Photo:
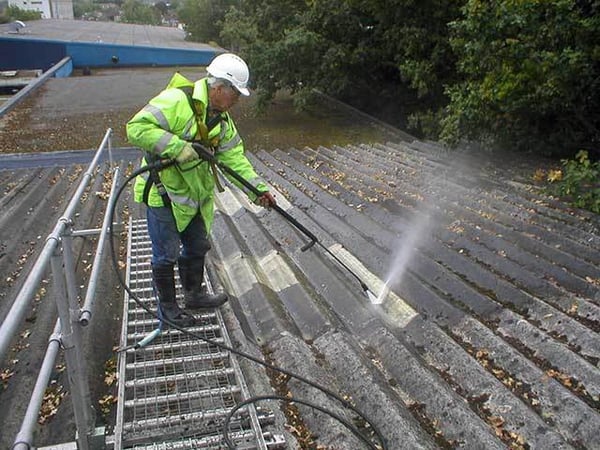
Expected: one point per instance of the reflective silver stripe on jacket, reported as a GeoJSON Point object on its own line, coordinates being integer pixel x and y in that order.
{"type": "Point", "coordinates": [184, 200]}
{"type": "Point", "coordinates": [224, 128]}
{"type": "Point", "coordinates": [159, 116]}
{"type": "Point", "coordinates": [162, 143]}
{"type": "Point", "coordinates": [234, 142]}
{"type": "Point", "coordinates": [174, 198]}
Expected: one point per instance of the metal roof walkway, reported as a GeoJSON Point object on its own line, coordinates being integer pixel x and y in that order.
{"type": "Point", "coordinates": [176, 390]}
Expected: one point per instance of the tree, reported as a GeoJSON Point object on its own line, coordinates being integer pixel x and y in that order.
{"type": "Point", "coordinates": [12, 13]}
{"type": "Point", "coordinates": [411, 57]}
{"type": "Point", "coordinates": [135, 11]}
{"type": "Point", "coordinates": [238, 30]}
{"type": "Point", "coordinates": [162, 7]}
{"type": "Point", "coordinates": [280, 50]}
{"type": "Point", "coordinates": [202, 19]}
{"type": "Point", "coordinates": [520, 73]}
{"type": "Point", "coordinates": [365, 52]}
{"type": "Point", "coordinates": [82, 8]}
{"type": "Point", "coordinates": [531, 75]}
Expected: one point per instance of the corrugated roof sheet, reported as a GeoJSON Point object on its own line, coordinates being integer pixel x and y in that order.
{"type": "Point", "coordinates": [489, 337]}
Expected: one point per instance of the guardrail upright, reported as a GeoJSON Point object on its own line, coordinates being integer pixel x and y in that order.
{"type": "Point", "coordinates": [63, 278]}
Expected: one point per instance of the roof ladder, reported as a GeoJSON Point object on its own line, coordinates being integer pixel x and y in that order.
{"type": "Point", "coordinates": [175, 392]}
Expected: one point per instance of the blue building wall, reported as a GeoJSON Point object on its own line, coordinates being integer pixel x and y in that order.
{"type": "Point", "coordinates": [24, 53]}
{"type": "Point", "coordinates": [98, 55]}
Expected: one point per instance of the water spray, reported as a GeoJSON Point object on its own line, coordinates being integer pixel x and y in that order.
{"type": "Point", "coordinates": [402, 256]}
{"type": "Point", "coordinates": [382, 295]}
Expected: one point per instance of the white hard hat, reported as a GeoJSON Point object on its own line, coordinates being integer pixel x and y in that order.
{"type": "Point", "coordinates": [232, 68]}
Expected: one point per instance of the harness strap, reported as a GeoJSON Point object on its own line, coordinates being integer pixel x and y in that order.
{"type": "Point", "coordinates": [154, 179]}
{"type": "Point", "coordinates": [204, 130]}
{"type": "Point", "coordinates": [213, 168]}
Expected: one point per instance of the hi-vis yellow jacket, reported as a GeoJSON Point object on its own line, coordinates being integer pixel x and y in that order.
{"type": "Point", "coordinates": [163, 127]}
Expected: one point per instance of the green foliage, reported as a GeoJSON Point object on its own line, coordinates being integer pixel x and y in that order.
{"type": "Point", "coordinates": [365, 52]}
{"type": "Point", "coordinates": [161, 7]}
{"type": "Point", "coordinates": [82, 8]}
{"type": "Point", "coordinates": [238, 30]}
{"type": "Point", "coordinates": [135, 11]}
{"type": "Point", "coordinates": [520, 74]}
{"type": "Point", "coordinates": [268, 34]}
{"type": "Point", "coordinates": [428, 121]}
{"type": "Point", "coordinates": [530, 71]}
{"type": "Point", "coordinates": [203, 19]}
{"type": "Point", "coordinates": [12, 13]}
{"type": "Point", "coordinates": [580, 182]}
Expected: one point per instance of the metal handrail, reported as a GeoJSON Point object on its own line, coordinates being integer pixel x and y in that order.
{"type": "Point", "coordinates": [20, 306]}
{"type": "Point", "coordinates": [23, 93]}
{"type": "Point", "coordinates": [90, 296]}
{"type": "Point", "coordinates": [67, 331]}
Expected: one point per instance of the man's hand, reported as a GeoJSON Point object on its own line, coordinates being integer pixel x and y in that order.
{"type": "Point", "coordinates": [266, 200]}
{"type": "Point", "coordinates": [186, 154]}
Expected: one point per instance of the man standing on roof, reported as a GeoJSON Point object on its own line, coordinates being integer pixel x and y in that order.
{"type": "Point", "coordinates": [179, 199]}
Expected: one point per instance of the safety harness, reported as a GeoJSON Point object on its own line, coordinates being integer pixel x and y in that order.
{"type": "Point", "coordinates": [204, 130]}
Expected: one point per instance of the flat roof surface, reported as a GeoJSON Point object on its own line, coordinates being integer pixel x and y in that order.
{"type": "Point", "coordinates": [103, 32]}
{"type": "Point", "coordinates": [73, 114]}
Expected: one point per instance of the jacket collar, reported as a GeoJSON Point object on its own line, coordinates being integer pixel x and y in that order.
{"type": "Point", "coordinates": [200, 93]}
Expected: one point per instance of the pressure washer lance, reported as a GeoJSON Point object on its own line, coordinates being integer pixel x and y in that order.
{"type": "Point", "coordinates": [206, 155]}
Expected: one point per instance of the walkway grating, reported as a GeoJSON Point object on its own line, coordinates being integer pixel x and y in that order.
{"type": "Point", "coordinates": [175, 392]}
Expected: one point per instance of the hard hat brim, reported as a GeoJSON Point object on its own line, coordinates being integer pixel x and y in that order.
{"type": "Point", "coordinates": [244, 91]}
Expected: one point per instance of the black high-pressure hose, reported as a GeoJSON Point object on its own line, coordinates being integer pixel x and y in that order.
{"type": "Point", "coordinates": [162, 165]}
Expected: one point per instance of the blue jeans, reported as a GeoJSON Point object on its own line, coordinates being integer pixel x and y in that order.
{"type": "Point", "coordinates": [166, 240]}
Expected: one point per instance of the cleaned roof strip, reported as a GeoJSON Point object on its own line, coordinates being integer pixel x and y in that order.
{"type": "Point", "coordinates": [396, 307]}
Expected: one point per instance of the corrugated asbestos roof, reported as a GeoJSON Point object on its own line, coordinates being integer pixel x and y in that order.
{"type": "Point", "coordinates": [488, 338]}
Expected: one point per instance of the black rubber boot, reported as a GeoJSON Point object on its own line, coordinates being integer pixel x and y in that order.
{"type": "Point", "coordinates": [191, 273]}
{"type": "Point", "coordinates": [164, 283]}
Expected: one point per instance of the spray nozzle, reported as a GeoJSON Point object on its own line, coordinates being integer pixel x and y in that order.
{"type": "Point", "coordinates": [372, 297]}
{"type": "Point", "coordinates": [376, 299]}
{"type": "Point", "coordinates": [308, 245]}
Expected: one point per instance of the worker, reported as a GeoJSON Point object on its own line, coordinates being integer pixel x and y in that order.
{"type": "Point", "coordinates": [180, 198]}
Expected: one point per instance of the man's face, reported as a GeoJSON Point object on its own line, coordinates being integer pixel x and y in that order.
{"type": "Point", "coordinates": [224, 97]}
